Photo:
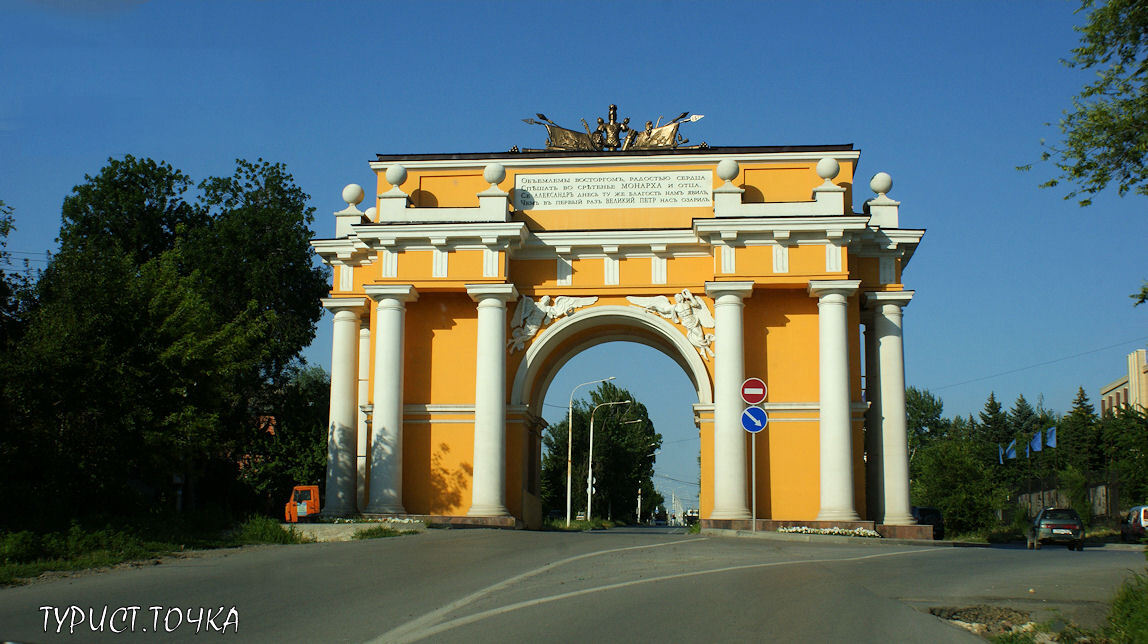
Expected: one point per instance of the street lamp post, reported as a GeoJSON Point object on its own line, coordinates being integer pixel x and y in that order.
{"type": "Point", "coordinates": [570, 442]}
{"type": "Point", "coordinates": [590, 463]}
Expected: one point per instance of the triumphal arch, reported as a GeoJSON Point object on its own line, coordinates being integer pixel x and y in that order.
{"type": "Point", "coordinates": [472, 278]}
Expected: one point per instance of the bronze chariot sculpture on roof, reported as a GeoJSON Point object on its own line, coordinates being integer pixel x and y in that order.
{"type": "Point", "coordinates": [609, 133]}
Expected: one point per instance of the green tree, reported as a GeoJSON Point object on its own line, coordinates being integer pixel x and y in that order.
{"type": "Point", "coordinates": [290, 446]}
{"type": "Point", "coordinates": [624, 446]}
{"type": "Point", "coordinates": [1078, 439]}
{"type": "Point", "coordinates": [1105, 134]}
{"type": "Point", "coordinates": [1125, 434]}
{"type": "Point", "coordinates": [955, 475]}
{"type": "Point", "coordinates": [1106, 131]}
{"type": "Point", "coordinates": [160, 330]}
{"type": "Point", "coordinates": [925, 422]}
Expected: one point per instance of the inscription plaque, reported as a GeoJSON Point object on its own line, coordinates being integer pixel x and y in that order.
{"type": "Point", "coordinates": [590, 190]}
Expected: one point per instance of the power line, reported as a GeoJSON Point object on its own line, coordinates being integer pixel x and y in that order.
{"type": "Point", "coordinates": [1041, 364]}
{"type": "Point", "coordinates": [670, 478]}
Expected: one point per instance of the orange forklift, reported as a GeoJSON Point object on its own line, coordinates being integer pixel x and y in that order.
{"type": "Point", "coordinates": [304, 503]}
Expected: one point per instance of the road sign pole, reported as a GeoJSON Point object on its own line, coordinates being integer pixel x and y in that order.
{"type": "Point", "coordinates": [753, 478]}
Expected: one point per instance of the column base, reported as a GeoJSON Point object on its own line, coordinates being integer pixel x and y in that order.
{"type": "Point", "coordinates": [382, 508]}
{"type": "Point", "coordinates": [838, 515]}
{"type": "Point", "coordinates": [729, 513]}
{"type": "Point", "coordinates": [487, 511]}
{"type": "Point", "coordinates": [899, 519]}
{"type": "Point", "coordinates": [338, 511]}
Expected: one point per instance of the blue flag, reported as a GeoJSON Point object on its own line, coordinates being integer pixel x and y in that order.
{"type": "Point", "coordinates": [1010, 451]}
{"type": "Point", "coordinates": [1050, 437]}
{"type": "Point", "coordinates": [1000, 454]}
{"type": "Point", "coordinates": [1036, 444]}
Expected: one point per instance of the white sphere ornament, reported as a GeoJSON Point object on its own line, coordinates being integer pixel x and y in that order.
{"type": "Point", "coordinates": [494, 173]}
{"type": "Point", "coordinates": [370, 213]}
{"type": "Point", "coordinates": [396, 175]}
{"type": "Point", "coordinates": [727, 169]}
{"type": "Point", "coordinates": [353, 194]}
{"type": "Point", "coordinates": [828, 168]}
{"type": "Point", "coordinates": [881, 183]}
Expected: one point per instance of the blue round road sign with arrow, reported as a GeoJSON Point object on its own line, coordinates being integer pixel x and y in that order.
{"type": "Point", "coordinates": [754, 419]}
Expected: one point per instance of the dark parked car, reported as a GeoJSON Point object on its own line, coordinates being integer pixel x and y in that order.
{"type": "Point", "coordinates": [1057, 525]}
{"type": "Point", "coordinates": [933, 517]}
{"type": "Point", "coordinates": [1135, 525]}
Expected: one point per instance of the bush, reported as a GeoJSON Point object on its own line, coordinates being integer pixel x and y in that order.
{"type": "Point", "coordinates": [20, 547]}
{"type": "Point", "coordinates": [261, 529]}
{"type": "Point", "coordinates": [1128, 618]}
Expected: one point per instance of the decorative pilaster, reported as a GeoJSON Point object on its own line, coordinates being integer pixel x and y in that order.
{"type": "Point", "coordinates": [730, 498]}
{"type": "Point", "coordinates": [488, 498]}
{"type": "Point", "coordinates": [886, 307]}
{"type": "Point", "coordinates": [836, 435]}
{"type": "Point", "coordinates": [341, 427]}
{"type": "Point", "coordinates": [386, 451]}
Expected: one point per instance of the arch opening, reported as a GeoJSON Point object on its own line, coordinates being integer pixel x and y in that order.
{"type": "Point", "coordinates": [642, 350]}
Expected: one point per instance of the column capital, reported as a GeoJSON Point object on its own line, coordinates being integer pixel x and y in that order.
{"type": "Point", "coordinates": [873, 299]}
{"type": "Point", "coordinates": [479, 292]}
{"type": "Point", "coordinates": [740, 289]}
{"type": "Point", "coordinates": [821, 288]}
{"type": "Point", "coordinates": [353, 304]}
{"type": "Point", "coordinates": [401, 292]}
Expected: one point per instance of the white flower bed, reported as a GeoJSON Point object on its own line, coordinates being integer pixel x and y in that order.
{"type": "Point", "coordinates": [855, 532]}
{"type": "Point", "coordinates": [374, 520]}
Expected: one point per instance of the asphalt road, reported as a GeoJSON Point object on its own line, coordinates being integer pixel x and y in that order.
{"type": "Point", "coordinates": [620, 585]}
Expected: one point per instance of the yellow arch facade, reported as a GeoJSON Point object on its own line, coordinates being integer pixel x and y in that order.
{"type": "Point", "coordinates": [471, 279]}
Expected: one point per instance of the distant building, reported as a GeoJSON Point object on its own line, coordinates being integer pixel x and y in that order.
{"type": "Point", "coordinates": [1131, 389]}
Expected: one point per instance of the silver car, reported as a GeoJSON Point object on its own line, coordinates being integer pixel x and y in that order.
{"type": "Point", "coordinates": [1057, 525]}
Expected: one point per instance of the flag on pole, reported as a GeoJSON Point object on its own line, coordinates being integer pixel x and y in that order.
{"type": "Point", "coordinates": [1036, 444]}
{"type": "Point", "coordinates": [1050, 437]}
{"type": "Point", "coordinates": [1010, 451]}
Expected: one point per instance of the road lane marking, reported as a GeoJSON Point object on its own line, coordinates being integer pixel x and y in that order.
{"type": "Point", "coordinates": [408, 635]}
{"type": "Point", "coordinates": [416, 629]}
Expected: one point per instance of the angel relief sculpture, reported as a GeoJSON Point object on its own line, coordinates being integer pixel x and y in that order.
{"type": "Point", "coordinates": [686, 310]}
{"type": "Point", "coordinates": [530, 316]}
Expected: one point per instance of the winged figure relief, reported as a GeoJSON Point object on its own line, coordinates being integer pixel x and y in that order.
{"type": "Point", "coordinates": [530, 316]}
{"type": "Point", "coordinates": [684, 309]}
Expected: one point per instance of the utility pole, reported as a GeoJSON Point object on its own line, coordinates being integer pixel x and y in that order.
{"type": "Point", "coordinates": [639, 504]}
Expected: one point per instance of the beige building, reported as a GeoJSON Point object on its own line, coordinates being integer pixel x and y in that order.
{"type": "Point", "coordinates": [1131, 389]}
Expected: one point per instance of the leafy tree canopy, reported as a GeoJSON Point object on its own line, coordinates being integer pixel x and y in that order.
{"type": "Point", "coordinates": [163, 330]}
{"type": "Point", "coordinates": [1106, 131]}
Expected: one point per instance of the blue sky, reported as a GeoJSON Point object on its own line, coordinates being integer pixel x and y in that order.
{"type": "Point", "coordinates": [947, 98]}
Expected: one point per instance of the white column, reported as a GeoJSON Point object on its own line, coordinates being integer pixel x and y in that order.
{"type": "Point", "coordinates": [894, 425]}
{"type": "Point", "coordinates": [874, 474]}
{"type": "Point", "coordinates": [730, 499]}
{"type": "Point", "coordinates": [488, 498]}
{"type": "Point", "coordinates": [364, 429]}
{"type": "Point", "coordinates": [836, 434]}
{"type": "Point", "coordinates": [340, 487]}
{"type": "Point", "coordinates": [386, 450]}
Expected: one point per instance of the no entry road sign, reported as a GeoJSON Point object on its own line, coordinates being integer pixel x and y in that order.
{"type": "Point", "coordinates": [754, 419]}
{"type": "Point", "coordinates": [753, 391]}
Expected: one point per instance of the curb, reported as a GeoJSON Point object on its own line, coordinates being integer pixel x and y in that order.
{"type": "Point", "coordinates": [794, 537]}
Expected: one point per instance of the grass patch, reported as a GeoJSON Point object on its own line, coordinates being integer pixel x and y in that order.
{"type": "Point", "coordinates": [381, 532]}
{"type": "Point", "coordinates": [578, 526]}
{"type": "Point", "coordinates": [1128, 617]}
{"type": "Point", "coordinates": [26, 554]}
{"type": "Point", "coordinates": [260, 529]}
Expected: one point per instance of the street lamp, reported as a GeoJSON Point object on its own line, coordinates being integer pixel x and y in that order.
{"type": "Point", "coordinates": [590, 463]}
{"type": "Point", "coordinates": [570, 441]}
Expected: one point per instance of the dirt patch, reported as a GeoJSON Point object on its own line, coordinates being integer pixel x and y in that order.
{"type": "Point", "coordinates": [986, 621]}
